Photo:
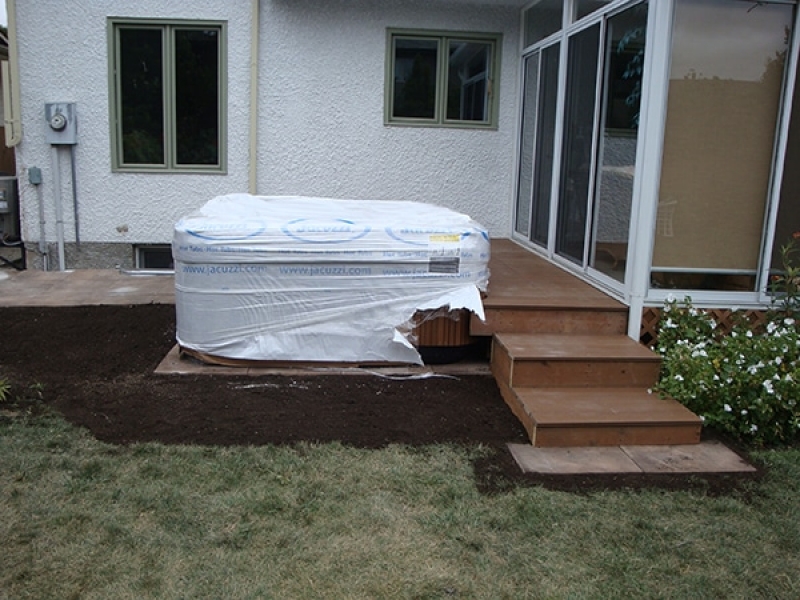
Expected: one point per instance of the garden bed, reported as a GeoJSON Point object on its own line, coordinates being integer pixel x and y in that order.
{"type": "Point", "coordinates": [94, 365]}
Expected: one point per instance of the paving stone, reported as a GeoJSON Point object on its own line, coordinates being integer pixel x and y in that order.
{"type": "Point", "coordinates": [570, 461]}
{"type": "Point", "coordinates": [706, 457]}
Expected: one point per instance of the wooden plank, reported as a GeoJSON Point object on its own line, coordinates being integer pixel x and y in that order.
{"type": "Point", "coordinates": [574, 360]}
{"type": "Point", "coordinates": [532, 319]}
{"type": "Point", "coordinates": [586, 373]}
{"type": "Point", "coordinates": [521, 277]}
{"type": "Point", "coordinates": [575, 347]}
{"type": "Point", "coordinates": [609, 407]}
{"type": "Point", "coordinates": [657, 435]}
{"type": "Point", "coordinates": [603, 417]}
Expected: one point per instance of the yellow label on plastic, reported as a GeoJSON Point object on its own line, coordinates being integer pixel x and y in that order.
{"type": "Point", "coordinates": [446, 237]}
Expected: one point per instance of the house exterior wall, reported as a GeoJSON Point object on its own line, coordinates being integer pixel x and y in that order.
{"type": "Point", "coordinates": [63, 56]}
{"type": "Point", "coordinates": [320, 118]}
{"type": "Point", "coordinates": [322, 107]}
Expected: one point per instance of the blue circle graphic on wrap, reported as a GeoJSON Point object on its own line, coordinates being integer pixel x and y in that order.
{"type": "Point", "coordinates": [337, 231]}
{"type": "Point", "coordinates": [229, 232]}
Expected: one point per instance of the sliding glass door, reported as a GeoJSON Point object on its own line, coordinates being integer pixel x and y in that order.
{"type": "Point", "coordinates": [578, 149]}
{"type": "Point", "coordinates": [537, 144]}
{"type": "Point", "coordinates": [578, 141]}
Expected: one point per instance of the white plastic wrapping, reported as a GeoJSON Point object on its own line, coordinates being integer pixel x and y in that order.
{"type": "Point", "coordinates": [318, 279]}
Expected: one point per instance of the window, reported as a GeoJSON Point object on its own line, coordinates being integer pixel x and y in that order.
{"type": "Point", "coordinates": [167, 100]}
{"type": "Point", "coordinates": [448, 79]}
{"type": "Point", "coordinates": [158, 257]}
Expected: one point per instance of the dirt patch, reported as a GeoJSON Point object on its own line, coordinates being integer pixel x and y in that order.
{"type": "Point", "coordinates": [94, 365]}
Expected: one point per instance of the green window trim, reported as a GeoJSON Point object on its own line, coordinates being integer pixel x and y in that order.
{"type": "Point", "coordinates": [438, 100]}
{"type": "Point", "coordinates": [172, 139]}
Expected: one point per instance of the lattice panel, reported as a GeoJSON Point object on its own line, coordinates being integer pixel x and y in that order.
{"type": "Point", "coordinates": [725, 318]}
{"type": "Point", "coordinates": [649, 331]}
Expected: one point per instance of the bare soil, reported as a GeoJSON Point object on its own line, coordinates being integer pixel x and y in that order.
{"type": "Point", "coordinates": [94, 365]}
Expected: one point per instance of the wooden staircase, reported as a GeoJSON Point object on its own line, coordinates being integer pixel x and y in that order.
{"type": "Point", "coordinates": [564, 365]}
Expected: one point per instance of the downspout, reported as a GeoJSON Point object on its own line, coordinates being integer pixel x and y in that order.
{"type": "Point", "coordinates": [253, 153]}
{"type": "Point", "coordinates": [10, 74]}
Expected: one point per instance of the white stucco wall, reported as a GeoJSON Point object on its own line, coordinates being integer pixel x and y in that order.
{"type": "Point", "coordinates": [322, 107]}
{"type": "Point", "coordinates": [63, 56]}
{"type": "Point", "coordinates": [321, 128]}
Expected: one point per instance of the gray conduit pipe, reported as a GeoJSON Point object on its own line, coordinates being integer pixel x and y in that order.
{"type": "Point", "coordinates": [42, 238]}
{"type": "Point", "coordinates": [75, 195]}
{"type": "Point", "coordinates": [59, 209]}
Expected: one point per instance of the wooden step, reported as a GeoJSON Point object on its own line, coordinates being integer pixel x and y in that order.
{"type": "Point", "coordinates": [539, 319]}
{"type": "Point", "coordinates": [564, 417]}
{"type": "Point", "coordinates": [553, 360]}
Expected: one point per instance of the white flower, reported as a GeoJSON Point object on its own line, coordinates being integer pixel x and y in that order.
{"type": "Point", "coordinates": [778, 360]}
{"type": "Point", "coordinates": [727, 408]}
{"type": "Point", "coordinates": [744, 412]}
{"type": "Point", "coordinates": [749, 333]}
{"type": "Point", "coordinates": [771, 327]}
{"type": "Point", "coordinates": [753, 368]}
{"type": "Point", "coordinates": [670, 298]}
{"type": "Point", "coordinates": [789, 322]}
{"type": "Point", "coordinates": [703, 419]}
{"type": "Point", "coordinates": [753, 428]}
{"type": "Point", "coordinates": [768, 386]}
{"type": "Point", "coordinates": [678, 377]}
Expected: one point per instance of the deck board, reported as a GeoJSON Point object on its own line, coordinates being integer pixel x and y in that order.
{"type": "Point", "coordinates": [519, 277]}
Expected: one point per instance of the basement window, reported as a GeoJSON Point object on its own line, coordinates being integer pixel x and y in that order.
{"type": "Point", "coordinates": [154, 257]}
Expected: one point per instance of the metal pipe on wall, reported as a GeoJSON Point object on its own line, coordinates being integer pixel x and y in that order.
{"type": "Point", "coordinates": [254, 33]}
{"type": "Point", "coordinates": [75, 195]}
{"type": "Point", "coordinates": [54, 163]}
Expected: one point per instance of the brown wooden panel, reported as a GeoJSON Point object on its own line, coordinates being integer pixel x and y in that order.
{"type": "Point", "coordinates": [532, 320]}
{"type": "Point", "coordinates": [517, 408]}
{"type": "Point", "coordinates": [602, 406]}
{"type": "Point", "coordinates": [584, 373]}
{"type": "Point", "coordinates": [657, 435]}
{"type": "Point", "coordinates": [436, 328]}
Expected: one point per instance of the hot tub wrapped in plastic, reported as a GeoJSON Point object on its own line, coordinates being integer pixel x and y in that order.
{"type": "Point", "coordinates": [261, 278]}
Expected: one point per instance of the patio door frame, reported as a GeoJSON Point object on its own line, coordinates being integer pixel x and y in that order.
{"type": "Point", "coordinates": [636, 291]}
{"type": "Point", "coordinates": [620, 289]}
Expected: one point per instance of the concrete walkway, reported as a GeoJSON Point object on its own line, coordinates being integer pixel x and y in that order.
{"type": "Point", "coordinates": [98, 287]}
{"type": "Point", "coordinates": [83, 287]}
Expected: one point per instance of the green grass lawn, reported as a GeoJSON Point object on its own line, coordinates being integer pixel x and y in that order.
{"type": "Point", "coordinates": [82, 519]}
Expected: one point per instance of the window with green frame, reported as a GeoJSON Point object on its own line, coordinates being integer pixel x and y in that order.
{"type": "Point", "coordinates": [167, 95]}
{"type": "Point", "coordinates": [442, 78]}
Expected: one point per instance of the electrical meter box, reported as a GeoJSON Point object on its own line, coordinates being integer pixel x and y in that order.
{"type": "Point", "coordinates": [61, 123]}
{"type": "Point", "coordinates": [9, 209]}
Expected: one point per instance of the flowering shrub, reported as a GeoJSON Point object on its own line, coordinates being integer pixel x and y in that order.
{"type": "Point", "coordinates": [785, 285]}
{"type": "Point", "coordinates": [744, 384]}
